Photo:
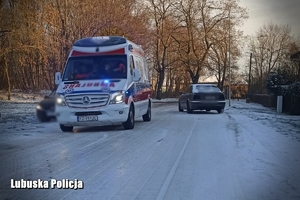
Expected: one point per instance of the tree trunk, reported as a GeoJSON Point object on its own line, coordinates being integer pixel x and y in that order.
{"type": "Point", "coordinates": [219, 79]}
{"type": "Point", "coordinates": [195, 79]}
{"type": "Point", "coordinates": [223, 77]}
{"type": "Point", "coordinates": [171, 87]}
{"type": "Point", "coordinates": [177, 86]}
{"type": "Point", "coordinates": [7, 78]}
{"type": "Point", "coordinates": [161, 77]}
{"type": "Point", "coordinates": [167, 82]}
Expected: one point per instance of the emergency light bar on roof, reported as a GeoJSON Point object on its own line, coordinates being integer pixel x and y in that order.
{"type": "Point", "coordinates": [100, 41]}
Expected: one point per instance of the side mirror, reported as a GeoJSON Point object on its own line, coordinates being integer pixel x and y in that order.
{"type": "Point", "coordinates": [136, 75]}
{"type": "Point", "coordinates": [57, 78]}
{"type": "Point", "coordinates": [180, 93]}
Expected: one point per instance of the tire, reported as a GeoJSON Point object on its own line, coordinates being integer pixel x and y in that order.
{"type": "Point", "coordinates": [42, 117]}
{"type": "Point", "coordinates": [220, 111]}
{"type": "Point", "coordinates": [188, 109]}
{"type": "Point", "coordinates": [129, 124]}
{"type": "Point", "coordinates": [179, 108]}
{"type": "Point", "coordinates": [66, 128]}
{"type": "Point", "coordinates": [147, 116]}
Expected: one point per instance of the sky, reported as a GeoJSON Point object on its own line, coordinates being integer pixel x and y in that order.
{"type": "Point", "coordinates": [262, 12]}
{"type": "Point", "coordinates": [279, 12]}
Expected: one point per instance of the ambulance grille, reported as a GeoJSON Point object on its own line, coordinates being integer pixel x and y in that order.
{"type": "Point", "coordinates": [87, 100]}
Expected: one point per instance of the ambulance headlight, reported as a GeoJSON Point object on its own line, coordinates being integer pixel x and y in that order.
{"type": "Point", "coordinates": [117, 97]}
{"type": "Point", "coordinates": [60, 101]}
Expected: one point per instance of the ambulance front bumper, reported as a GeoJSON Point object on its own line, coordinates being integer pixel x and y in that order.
{"type": "Point", "coordinates": [112, 114]}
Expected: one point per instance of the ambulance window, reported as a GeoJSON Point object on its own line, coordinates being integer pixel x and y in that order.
{"type": "Point", "coordinates": [140, 67]}
{"type": "Point", "coordinates": [131, 65]}
{"type": "Point", "coordinates": [147, 74]}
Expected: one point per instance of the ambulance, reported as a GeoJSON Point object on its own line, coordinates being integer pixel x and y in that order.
{"type": "Point", "coordinates": [105, 81]}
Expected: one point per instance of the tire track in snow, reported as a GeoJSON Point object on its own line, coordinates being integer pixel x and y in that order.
{"type": "Point", "coordinates": [111, 159]}
{"type": "Point", "coordinates": [168, 180]}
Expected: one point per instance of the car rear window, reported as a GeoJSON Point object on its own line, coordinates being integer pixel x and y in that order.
{"type": "Point", "coordinates": [206, 88]}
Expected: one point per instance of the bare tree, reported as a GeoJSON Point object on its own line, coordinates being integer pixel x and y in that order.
{"type": "Point", "coordinates": [269, 46]}
{"type": "Point", "coordinates": [203, 30]}
{"type": "Point", "coordinates": [36, 36]}
{"type": "Point", "coordinates": [163, 26]}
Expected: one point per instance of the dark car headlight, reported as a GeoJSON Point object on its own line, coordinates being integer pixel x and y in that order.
{"type": "Point", "coordinates": [39, 107]}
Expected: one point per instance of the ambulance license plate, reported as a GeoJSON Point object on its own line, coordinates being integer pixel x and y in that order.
{"type": "Point", "coordinates": [87, 118]}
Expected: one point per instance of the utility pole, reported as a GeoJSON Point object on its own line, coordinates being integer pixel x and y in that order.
{"type": "Point", "coordinates": [229, 62]}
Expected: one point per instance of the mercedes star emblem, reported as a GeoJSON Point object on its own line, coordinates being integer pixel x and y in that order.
{"type": "Point", "coordinates": [86, 100]}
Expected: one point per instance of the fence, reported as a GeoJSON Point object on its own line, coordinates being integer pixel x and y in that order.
{"type": "Point", "coordinates": [270, 101]}
{"type": "Point", "coordinates": [286, 103]}
{"type": "Point", "coordinates": [266, 100]}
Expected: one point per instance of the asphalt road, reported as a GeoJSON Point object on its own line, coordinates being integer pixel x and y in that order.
{"type": "Point", "coordinates": [203, 155]}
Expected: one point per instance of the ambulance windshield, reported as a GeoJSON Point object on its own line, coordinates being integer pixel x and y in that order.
{"type": "Point", "coordinates": [96, 67]}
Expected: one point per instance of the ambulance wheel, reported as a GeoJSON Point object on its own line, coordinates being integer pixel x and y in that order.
{"type": "Point", "coordinates": [66, 128]}
{"type": "Point", "coordinates": [129, 124]}
{"type": "Point", "coordinates": [147, 116]}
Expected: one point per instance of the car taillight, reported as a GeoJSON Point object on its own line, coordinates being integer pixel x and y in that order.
{"type": "Point", "coordinates": [222, 97]}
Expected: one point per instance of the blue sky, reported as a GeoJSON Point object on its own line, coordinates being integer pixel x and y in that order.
{"type": "Point", "coordinates": [279, 12]}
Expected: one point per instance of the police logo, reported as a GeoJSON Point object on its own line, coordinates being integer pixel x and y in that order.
{"type": "Point", "coordinates": [86, 100]}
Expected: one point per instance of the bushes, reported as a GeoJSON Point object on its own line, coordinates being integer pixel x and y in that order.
{"type": "Point", "coordinates": [276, 80]}
{"type": "Point", "coordinates": [293, 94]}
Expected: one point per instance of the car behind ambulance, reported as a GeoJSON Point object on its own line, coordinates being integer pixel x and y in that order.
{"type": "Point", "coordinates": [105, 82]}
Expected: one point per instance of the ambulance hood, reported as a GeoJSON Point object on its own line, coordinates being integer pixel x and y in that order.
{"type": "Point", "coordinates": [91, 86]}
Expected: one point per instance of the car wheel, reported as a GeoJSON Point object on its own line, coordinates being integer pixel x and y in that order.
{"type": "Point", "coordinates": [129, 124]}
{"type": "Point", "coordinates": [42, 117]}
{"type": "Point", "coordinates": [220, 110]}
{"type": "Point", "coordinates": [147, 116]}
{"type": "Point", "coordinates": [66, 128]}
{"type": "Point", "coordinates": [179, 108]}
{"type": "Point", "coordinates": [188, 109]}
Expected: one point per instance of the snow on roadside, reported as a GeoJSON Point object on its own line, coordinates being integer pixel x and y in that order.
{"type": "Point", "coordinates": [20, 111]}
{"type": "Point", "coordinates": [16, 116]}
{"type": "Point", "coordinates": [285, 124]}
{"type": "Point", "coordinates": [24, 97]}
{"type": "Point", "coordinates": [166, 100]}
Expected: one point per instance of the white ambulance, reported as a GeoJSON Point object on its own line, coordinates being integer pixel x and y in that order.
{"type": "Point", "coordinates": [105, 82]}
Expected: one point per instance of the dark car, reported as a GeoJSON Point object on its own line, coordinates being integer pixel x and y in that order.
{"type": "Point", "coordinates": [202, 97]}
{"type": "Point", "coordinates": [45, 109]}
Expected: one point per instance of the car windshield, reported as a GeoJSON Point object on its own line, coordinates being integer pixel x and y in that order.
{"type": "Point", "coordinates": [96, 67]}
{"type": "Point", "coordinates": [206, 88]}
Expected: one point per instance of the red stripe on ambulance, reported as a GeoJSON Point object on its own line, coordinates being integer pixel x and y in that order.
{"type": "Point", "coordinates": [114, 52]}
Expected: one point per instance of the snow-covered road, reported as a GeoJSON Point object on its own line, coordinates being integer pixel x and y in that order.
{"type": "Point", "coordinates": [247, 152]}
